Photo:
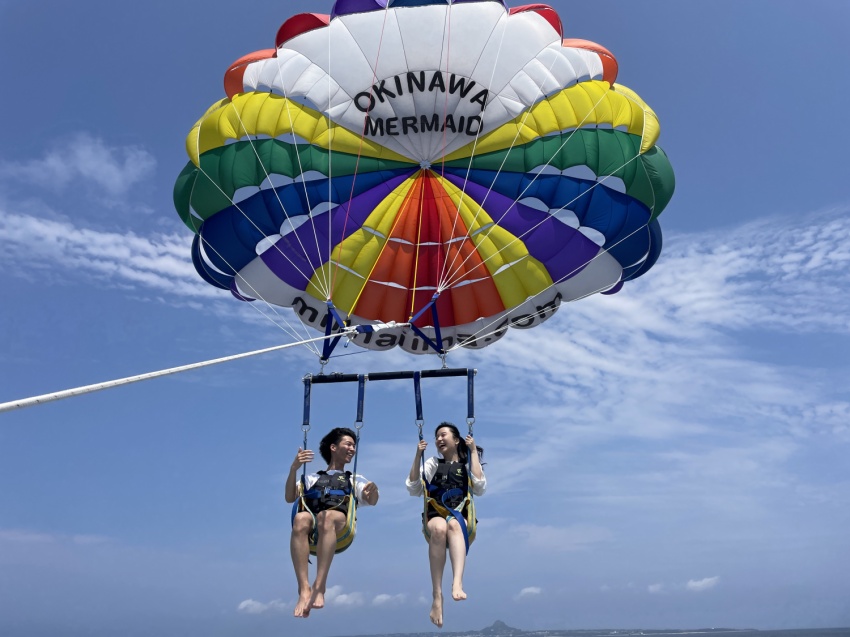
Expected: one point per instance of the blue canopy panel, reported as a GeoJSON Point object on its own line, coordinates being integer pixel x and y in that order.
{"type": "Point", "coordinates": [231, 235]}
{"type": "Point", "coordinates": [621, 219]}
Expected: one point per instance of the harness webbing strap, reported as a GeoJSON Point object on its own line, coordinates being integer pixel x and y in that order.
{"type": "Point", "coordinates": [431, 305]}
{"type": "Point", "coordinates": [358, 424]}
{"type": "Point", "coordinates": [417, 394]}
{"type": "Point", "coordinates": [331, 318]}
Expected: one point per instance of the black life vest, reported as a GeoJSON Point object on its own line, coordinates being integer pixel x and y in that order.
{"type": "Point", "coordinates": [450, 483]}
{"type": "Point", "coordinates": [329, 492]}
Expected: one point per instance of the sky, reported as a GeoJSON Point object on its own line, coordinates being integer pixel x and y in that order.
{"type": "Point", "coordinates": [670, 456]}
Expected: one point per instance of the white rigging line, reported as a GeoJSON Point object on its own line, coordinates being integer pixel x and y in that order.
{"type": "Point", "coordinates": [87, 389]}
{"type": "Point", "coordinates": [445, 268]}
{"type": "Point", "coordinates": [325, 287]}
{"type": "Point", "coordinates": [274, 189]}
{"type": "Point", "coordinates": [447, 282]}
{"type": "Point", "coordinates": [551, 214]}
{"type": "Point", "coordinates": [482, 334]}
{"type": "Point", "coordinates": [289, 329]}
{"type": "Point", "coordinates": [516, 199]}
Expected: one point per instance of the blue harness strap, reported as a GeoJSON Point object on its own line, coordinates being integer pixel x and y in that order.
{"type": "Point", "coordinates": [431, 490]}
{"type": "Point", "coordinates": [300, 504]}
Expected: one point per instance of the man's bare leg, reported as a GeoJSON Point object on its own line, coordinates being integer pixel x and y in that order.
{"type": "Point", "coordinates": [437, 560]}
{"type": "Point", "coordinates": [329, 524]}
{"type": "Point", "coordinates": [457, 555]}
{"type": "Point", "coordinates": [299, 549]}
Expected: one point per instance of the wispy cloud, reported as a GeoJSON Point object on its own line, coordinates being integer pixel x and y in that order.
{"type": "Point", "coordinates": [654, 589]}
{"type": "Point", "coordinates": [669, 363]}
{"type": "Point", "coordinates": [334, 596]}
{"type": "Point", "coordinates": [528, 591]}
{"type": "Point", "coordinates": [253, 607]}
{"type": "Point", "coordinates": [385, 599]}
{"type": "Point", "coordinates": [113, 169]}
{"type": "Point", "coordinates": [558, 538]}
{"type": "Point", "coordinates": [159, 262]}
{"type": "Point", "coordinates": [57, 249]}
{"type": "Point", "coordinates": [27, 537]}
{"type": "Point", "coordinates": [704, 584]}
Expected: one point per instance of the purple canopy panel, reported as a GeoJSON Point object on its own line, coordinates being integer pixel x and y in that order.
{"type": "Point", "coordinates": [563, 250]}
{"type": "Point", "coordinates": [297, 255]}
{"type": "Point", "coordinates": [344, 7]}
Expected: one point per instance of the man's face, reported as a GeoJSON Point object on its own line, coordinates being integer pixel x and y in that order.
{"type": "Point", "coordinates": [343, 451]}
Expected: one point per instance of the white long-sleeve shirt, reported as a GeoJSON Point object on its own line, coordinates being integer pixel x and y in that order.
{"type": "Point", "coordinates": [479, 485]}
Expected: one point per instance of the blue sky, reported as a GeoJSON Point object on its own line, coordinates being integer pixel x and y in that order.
{"type": "Point", "coordinates": [693, 428]}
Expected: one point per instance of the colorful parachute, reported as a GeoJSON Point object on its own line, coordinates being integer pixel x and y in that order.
{"type": "Point", "coordinates": [454, 165]}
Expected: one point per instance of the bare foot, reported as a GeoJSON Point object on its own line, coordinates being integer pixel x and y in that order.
{"type": "Point", "coordinates": [302, 608]}
{"type": "Point", "coordinates": [317, 600]}
{"type": "Point", "coordinates": [437, 610]}
{"type": "Point", "coordinates": [457, 592]}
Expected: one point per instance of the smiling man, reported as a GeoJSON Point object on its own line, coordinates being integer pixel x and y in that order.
{"type": "Point", "coordinates": [323, 512]}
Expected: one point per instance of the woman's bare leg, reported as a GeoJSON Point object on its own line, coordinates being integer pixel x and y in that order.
{"type": "Point", "coordinates": [457, 555]}
{"type": "Point", "coordinates": [437, 560]}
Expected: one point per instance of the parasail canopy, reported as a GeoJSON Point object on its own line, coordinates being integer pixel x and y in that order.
{"type": "Point", "coordinates": [458, 167]}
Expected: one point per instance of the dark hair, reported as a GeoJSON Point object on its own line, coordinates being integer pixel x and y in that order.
{"type": "Point", "coordinates": [462, 449]}
{"type": "Point", "coordinates": [332, 438]}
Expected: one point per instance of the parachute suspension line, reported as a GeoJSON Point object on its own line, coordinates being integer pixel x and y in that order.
{"type": "Point", "coordinates": [446, 267]}
{"type": "Point", "coordinates": [330, 163]}
{"type": "Point", "coordinates": [87, 389]}
{"type": "Point", "coordinates": [416, 253]}
{"type": "Point", "coordinates": [374, 264]}
{"type": "Point", "coordinates": [499, 171]}
{"type": "Point", "coordinates": [289, 329]}
{"type": "Point", "coordinates": [447, 38]}
{"type": "Point", "coordinates": [335, 267]}
{"type": "Point", "coordinates": [538, 224]}
{"type": "Point", "coordinates": [483, 333]}
{"type": "Point", "coordinates": [294, 332]}
{"type": "Point", "coordinates": [322, 277]}
{"type": "Point", "coordinates": [256, 227]}
{"type": "Point", "coordinates": [268, 177]}
{"type": "Point", "coordinates": [480, 206]}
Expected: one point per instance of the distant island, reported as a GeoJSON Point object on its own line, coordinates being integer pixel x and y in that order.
{"type": "Point", "coordinates": [501, 629]}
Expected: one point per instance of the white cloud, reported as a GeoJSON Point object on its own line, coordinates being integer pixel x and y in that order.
{"type": "Point", "coordinates": [528, 591]}
{"type": "Point", "coordinates": [90, 540]}
{"type": "Point", "coordinates": [670, 363]}
{"type": "Point", "coordinates": [556, 538]}
{"type": "Point", "coordinates": [253, 607]}
{"type": "Point", "coordinates": [655, 588]}
{"type": "Point", "coordinates": [113, 169]}
{"type": "Point", "coordinates": [703, 584]}
{"type": "Point", "coordinates": [38, 248]}
{"type": "Point", "coordinates": [23, 536]}
{"type": "Point", "coordinates": [26, 536]}
{"type": "Point", "coordinates": [336, 597]}
{"type": "Point", "coordinates": [389, 600]}
{"type": "Point", "coordinates": [158, 262]}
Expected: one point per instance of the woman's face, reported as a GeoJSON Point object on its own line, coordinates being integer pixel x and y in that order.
{"type": "Point", "coordinates": [446, 441]}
